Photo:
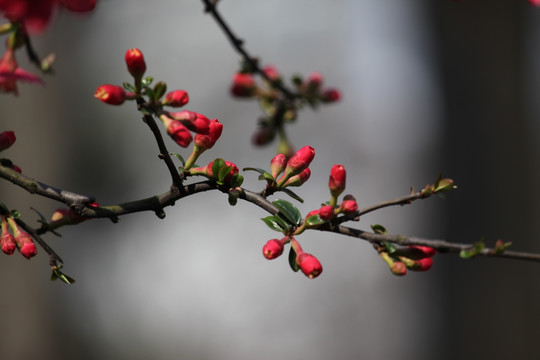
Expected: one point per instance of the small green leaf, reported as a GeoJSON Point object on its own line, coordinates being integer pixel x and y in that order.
{"type": "Point", "coordinates": [223, 172]}
{"type": "Point", "coordinates": [500, 247]}
{"type": "Point", "coordinates": [272, 224]}
{"type": "Point", "coordinates": [147, 81]}
{"type": "Point", "coordinates": [159, 90]}
{"type": "Point", "coordinates": [217, 165]}
{"type": "Point", "coordinates": [315, 220]}
{"type": "Point", "coordinates": [129, 87]}
{"type": "Point", "coordinates": [293, 195]}
{"type": "Point", "coordinates": [292, 260]}
{"type": "Point", "coordinates": [290, 212]}
{"type": "Point", "coordinates": [149, 92]}
{"type": "Point", "coordinates": [236, 180]}
{"type": "Point", "coordinates": [259, 170]}
{"type": "Point", "coordinates": [379, 229]}
{"type": "Point", "coordinates": [14, 214]}
{"type": "Point", "coordinates": [180, 158]}
{"type": "Point", "coordinates": [57, 274]}
{"type": "Point", "coordinates": [283, 222]}
{"type": "Point", "coordinates": [472, 252]}
{"type": "Point", "coordinates": [390, 248]}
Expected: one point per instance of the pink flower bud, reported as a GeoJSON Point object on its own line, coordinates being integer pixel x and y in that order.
{"type": "Point", "coordinates": [7, 241]}
{"type": "Point", "coordinates": [272, 249]}
{"type": "Point", "coordinates": [271, 72]}
{"type": "Point", "coordinates": [314, 80]}
{"type": "Point", "coordinates": [195, 122]}
{"type": "Point", "coordinates": [176, 98]}
{"type": "Point", "coordinates": [278, 164]}
{"type": "Point", "coordinates": [399, 268]}
{"type": "Point", "coordinates": [330, 95]}
{"type": "Point", "coordinates": [135, 63]}
{"type": "Point", "coordinates": [299, 179]}
{"type": "Point", "coordinates": [110, 94]}
{"type": "Point", "coordinates": [326, 212]}
{"type": "Point", "coordinates": [348, 205]}
{"type": "Point", "coordinates": [300, 161]}
{"type": "Point", "coordinates": [243, 85]}
{"type": "Point", "coordinates": [338, 176]}
{"type": "Point", "coordinates": [310, 266]}
{"type": "Point", "coordinates": [422, 251]}
{"type": "Point", "coordinates": [16, 168]}
{"type": "Point", "coordinates": [234, 170]}
{"type": "Point", "coordinates": [214, 132]}
{"type": "Point", "coordinates": [313, 212]}
{"type": "Point", "coordinates": [7, 138]}
{"type": "Point", "coordinates": [179, 133]}
{"type": "Point", "coordinates": [263, 135]}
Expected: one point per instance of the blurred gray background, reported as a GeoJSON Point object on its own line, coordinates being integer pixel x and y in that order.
{"type": "Point", "coordinates": [428, 87]}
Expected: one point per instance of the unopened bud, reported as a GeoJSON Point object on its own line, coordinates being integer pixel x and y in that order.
{"type": "Point", "coordinates": [399, 268]}
{"type": "Point", "coordinates": [195, 122]}
{"type": "Point", "coordinates": [135, 63]}
{"type": "Point", "coordinates": [348, 205]}
{"type": "Point", "coordinates": [326, 212]}
{"type": "Point", "coordinates": [176, 98]}
{"type": "Point", "coordinates": [7, 138]}
{"type": "Point", "coordinates": [243, 85]}
{"type": "Point", "coordinates": [272, 249]}
{"type": "Point", "coordinates": [110, 94]}
{"type": "Point", "coordinates": [278, 164]}
{"type": "Point", "coordinates": [338, 177]}
{"type": "Point", "coordinates": [178, 132]}
{"type": "Point", "coordinates": [299, 179]}
{"type": "Point", "coordinates": [300, 161]}
{"type": "Point", "coordinates": [208, 141]}
{"type": "Point", "coordinates": [309, 264]}
{"type": "Point", "coordinates": [263, 135]}
{"type": "Point", "coordinates": [330, 96]}
{"type": "Point", "coordinates": [271, 72]}
{"type": "Point", "coordinates": [7, 241]}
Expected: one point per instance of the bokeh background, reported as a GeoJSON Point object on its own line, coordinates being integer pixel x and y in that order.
{"type": "Point", "coordinates": [428, 87]}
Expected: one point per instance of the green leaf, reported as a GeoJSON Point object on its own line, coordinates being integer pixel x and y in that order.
{"type": "Point", "coordinates": [180, 158]}
{"type": "Point", "coordinates": [472, 252]}
{"type": "Point", "coordinates": [272, 224]}
{"type": "Point", "coordinates": [259, 170]}
{"type": "Point", "coordinates": [149, 92]}
{"type": "Point", "coordinates": [147, 81]}
{"type": "Point", "coordinates": [159, 90]}
{"type": "Point", "coordinates": [288, 210]}
{"type": "Point", "coordinates": [223, 172]}
{"type": "Point", "coordinates": [217, 165]}
{"type": "Point", "coordinates": [57, 274]}
{"type": "Point", "coordinates": [390, 248]}
{"type": "Point", "coordinates": [292, 260]}
{"type": "Point", "coordinates": [379, 229]}
{"type": "Point", "coordinates": [129, 87]}
{"type": "Point", "coordinates": [283, 222]}
{"type": "Point", "coordinates": [236, 180]}
{"type": "Point", "coordinates": [14, 214]}
{"type": "Point", "coordinates": [315, 220]}
{"type": "Point", "coordinates": [293, 195]}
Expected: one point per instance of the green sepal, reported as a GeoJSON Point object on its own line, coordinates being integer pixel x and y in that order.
{"type": "Point", "coordinates": [379, 229]}
{"type": "Point", "coordinates": [288, 210]}
{"type": "Point", "coordinates": [14, 214]}
{"type": "Point", "coordinates": [292, 260]}
{"type": "Point", "coordinates": [129, 87]}
{"type": "Point", "coordinates": [217, 165]}
{"type": "Point", "coordinates": [471, 253]}
{"type": "Point", "coordinates": [147, 81]}
{"type": "Point", "coordinates": [236, 180]}
{"type": "Point", "coordinates": [272, 224]}
{"type": "Point", "coordinates": [293, 195]}
{"type": "Point", "coordinates": [390, 248]}
{"type": "Point", "coordinates": [315, 220]}
{"type": "Point", "coordinates": [180, 158]}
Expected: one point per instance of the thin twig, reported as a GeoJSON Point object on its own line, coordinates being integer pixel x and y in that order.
{"type": "Point", "coordinates": [34, 233]}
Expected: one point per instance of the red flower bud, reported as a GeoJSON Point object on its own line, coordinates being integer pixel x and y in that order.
{"type": "Point", "coordinates": [422, 251]}
{"type": "Point", "coordinates": [195, 122]}
{"type": "Point", "coordinates": [214, 132]}
{"type": "Point", "coordinates": [110, 94]}
{"type": "Point", "coordinates": [348, 205]}
{"type": "Point", "coordinates": [7, 241]}
{"type": "Point", "coordinates": [7, 138]}
{"type": "Point", "coordinates": [330, 96]}
{"type": "Point", "coordinates": [314, 80]}
{"type": "Point", "coordinates": [178, 132]}
{"type": "Point", "coordinates": [326, 212]}
{"type": "Point", "coordinates": [338, 176]}
{"type": "Point", "coordinates": [16, 168]}
{"type": "Point", "coordinates": [309, 265]}
{"type": "Point", "coordinates": [135, 63]}
{"type": "Point", "coordinates": [234, 170]}
{"type": "Point", "coordinates": [300, 161]}
{"type": "Point", "coordinates": [421, 265]}
{"type": "Point", "coordinates": [271, 72]}
{"type": "Point", "coordinates": [176, 98]}
{"type": "Point", "coordinates": [278, 164]}
{"type": "Point", "coordinates": [299, 179]}
{"type": "Point", "coordinates": [243, 85]}
{"type": "Point", "coordinates": [263, 135]}
{"type": "Point", "coordinates": [313, 212]}
{"type": "Point", "coordinates": [272, 249]}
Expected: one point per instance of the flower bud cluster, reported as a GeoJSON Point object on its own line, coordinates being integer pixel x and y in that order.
{"type": "Point", "coordinates": [295, 170]}
{"type": "Point", "coordinates": [300, 260]}
{"type": "Point", "coordinates": [17, 238]}
{"type": "Point", "coordinates": [411, 257]}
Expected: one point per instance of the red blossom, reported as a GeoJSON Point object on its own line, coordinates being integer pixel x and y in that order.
{"type": "Point", "coordinates": [309, 264]}
{"type": "Point", "coordinates": [348, 205]}
{"type": "Point", "coordinates": [7, 138]}
{"type": "Point", "coordinates": [422, 264]}
{"type": "Point", "coordinates": [10, 73]}
{"type": "Point", "coordinates": [110, 94]}
{"type": "Point", "coordinates": [207, 141]}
